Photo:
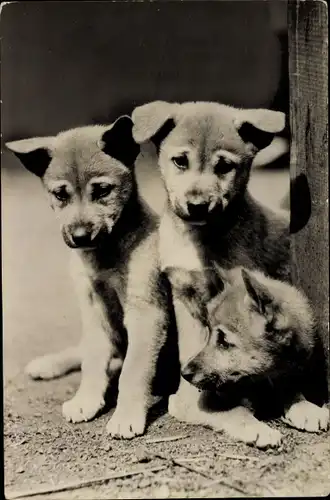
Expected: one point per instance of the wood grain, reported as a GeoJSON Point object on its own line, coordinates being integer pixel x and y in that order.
{"type": "Point", "coordinates": [308, 73]}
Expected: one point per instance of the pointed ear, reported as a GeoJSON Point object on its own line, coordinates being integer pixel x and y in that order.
{"type": "Point", "coordinates": [34, 153]}
{"type": "Point", "coordinates": [151, 118]}
{"type": "Point", "coordinates": [257, 291]}
{"type": "Point", "coordinates": [118, 141]}
{"type": "Point", "coordinates": [259, 126]}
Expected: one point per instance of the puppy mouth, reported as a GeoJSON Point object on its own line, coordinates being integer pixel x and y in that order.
{"type": "Point", "coordinates": [213, 383]}
{"type": "Point", "coordinates": [90, 241]}
{"type": "Point", "coordinates": [203, 382]}
{"type": "Point", "coordinates": [74, 246]}
{"type": "Point", "coordinates": [191, 220]}
{"type": "Point", "coordinates": [195, 222]}
{"type": "Point", "coordinates": [200, 219]}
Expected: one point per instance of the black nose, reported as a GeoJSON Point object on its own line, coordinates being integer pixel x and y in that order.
{"type": "Point", "coordinates": [189, 371]}
{"type": "Point", "coordinates": [81, 237]}
{"type": "Point", "coordinates": [198, 211]}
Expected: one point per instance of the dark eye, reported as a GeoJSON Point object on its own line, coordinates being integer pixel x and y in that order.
{"type": "Point", "coordinates": [221, 339]}
{"type": "Point", "coordinates": [61, 194]}
{"type": "Point", "coordinates": [101, 190]}
{"type": "Point", "coordinates": [224, 166]}
{"type": "Point", "coordinates": [181, 162]}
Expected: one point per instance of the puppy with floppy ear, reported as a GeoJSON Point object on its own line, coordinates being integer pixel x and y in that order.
{"type": "Point", "coordinates": [88, 173]}
{"type": "Point", "coordinates": [205, 153]}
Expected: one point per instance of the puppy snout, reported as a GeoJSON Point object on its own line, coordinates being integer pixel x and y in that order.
{"type": "Point", "coordinates": [198, 211]}
{"type": "Point", "coordinates": [191, 371]}
{"type": "Point", "coordinates": [82, 237]}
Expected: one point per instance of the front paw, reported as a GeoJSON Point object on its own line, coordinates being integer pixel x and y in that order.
{"type": "Point", "coordinates": [82, 407]}
{"type": "Point", "coordinates": [126, 423]}
{"type": "Point", "coordinates": [306, 416]}
{"type": "Point", "coordinates": [174, 407]}
{"type": "Point", "coordinates": [255, 433]}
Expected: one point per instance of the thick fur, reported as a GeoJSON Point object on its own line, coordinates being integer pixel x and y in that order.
{"type": "Point", "coordinates": [262, 350]}
{"type": "Point", "coordinates": [88, 173]}
{"type": "Point", "coordinates": [205, 156]}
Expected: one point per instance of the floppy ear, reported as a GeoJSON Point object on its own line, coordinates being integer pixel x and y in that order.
{"type": "Point", "coordinates": [34, 153]}
{"type": "Point", "coordinates": [150, 118]}
{"type": "Point", "coordinates": [118, 141]}
{"type": "Point", "coordinates": [257, 291]}
{"type": "Point", "coordinates": [259, 126]}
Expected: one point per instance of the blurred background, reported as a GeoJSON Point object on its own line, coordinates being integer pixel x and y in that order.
{"type": "Point", "coordinates": [66, 64]}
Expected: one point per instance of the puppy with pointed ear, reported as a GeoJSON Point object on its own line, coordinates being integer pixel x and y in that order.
{"type": "Point", "coordinates": [263, 346]}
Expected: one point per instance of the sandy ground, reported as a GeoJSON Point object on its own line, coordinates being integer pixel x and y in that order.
{"type": "Point", "coordinates": [42, 450]}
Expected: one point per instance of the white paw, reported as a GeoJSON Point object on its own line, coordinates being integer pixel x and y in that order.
{"type": "Point", "coordinates": [44, 367]}
{"type": "Point", "coordinates": [255, 433]}
{"type": "Point", "coordinates": [126, 423]}
{"type": "Point", "coordinates": [174, 407]}
{"type": "Point", "coordinates": [306, 416]}
{"type": "Point", "coordinates": [82, 407]}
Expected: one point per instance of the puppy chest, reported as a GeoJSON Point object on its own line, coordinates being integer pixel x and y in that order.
{"type": "Point", "coordinates": [177, 248]}
{"type": "Point", "coordinates": [109, 283]}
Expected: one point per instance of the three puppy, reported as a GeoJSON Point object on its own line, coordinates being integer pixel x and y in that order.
{"type": "Point", "coordinates": [205, 155]}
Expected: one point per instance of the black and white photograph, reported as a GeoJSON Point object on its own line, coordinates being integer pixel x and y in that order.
{"type": "Point", "coordinates": [165, 249]}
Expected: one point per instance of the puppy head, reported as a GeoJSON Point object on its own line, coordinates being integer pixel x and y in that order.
{"type": "Point", "coordinates": [205, 151]}
{"type": "Point", "coordinates": [259, 328]}
{"type": "Point", "coordinates": [88, 175]}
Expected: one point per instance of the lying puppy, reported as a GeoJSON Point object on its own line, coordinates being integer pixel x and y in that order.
{"type": "Point", "coordinates": [88, 173]}
{"type": "Point", "coordinates": [262, 350]}
{"type": "Point", "coordinates": [205, 154]}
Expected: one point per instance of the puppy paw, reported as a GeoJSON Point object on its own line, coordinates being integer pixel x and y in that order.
{"type": "Point", "coordinates": [44, 367]}
{"type": "Point", "coordinates": [306, 416]}
{"type": "Point", "coordinates": [82, 407]}
{"type": "Point", "coordinates": [256, 433]}
{"type": "Point", "coordinates": [126, 424]}
{"type": "Point", "coordinates": [176, 408]}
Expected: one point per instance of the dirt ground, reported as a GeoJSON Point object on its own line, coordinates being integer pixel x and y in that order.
{"type": "Point", "coordinates": [42, 450]}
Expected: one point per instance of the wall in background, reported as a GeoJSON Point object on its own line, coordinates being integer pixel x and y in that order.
{"type": "Point", "coordinates": [66, 64]}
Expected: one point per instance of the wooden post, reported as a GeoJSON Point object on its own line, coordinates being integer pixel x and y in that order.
{"type": "Point", "coordinates": [308, 72]}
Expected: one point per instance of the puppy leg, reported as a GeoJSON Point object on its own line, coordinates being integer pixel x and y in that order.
{"type": "Point", "coordinates": [97, 351]}
{"type": "Point", "coordinates": [54, 365]}
{"type": "Point", "coordinates": [192, 334]}
{"type": "Point", "coordinates": [188, 406]}
{"type": "Point", "coordinates": [146, 328]}
{"type": "Point", "coordinates": [306, 416]}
